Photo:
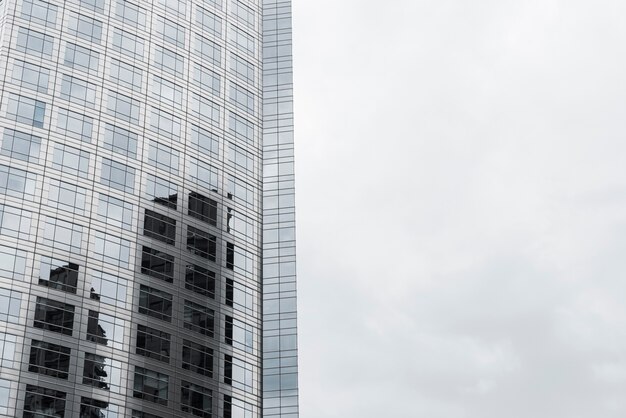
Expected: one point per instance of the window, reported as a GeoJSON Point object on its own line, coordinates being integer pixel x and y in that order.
{"type": "Point", "coordinates": [157, 264]}
{"type": "Point", "coordinates": [15, 222]}
{"type": "Point", "coordinates": [75, 125]}
{"type": "Point", "coordinates": [209, 22]}
{"type": "Point", "coordinates": [239, 191]}
{"type": "Point", "coordinates": [198, 318]}
{"type": "Point", "coordinates": [238, 373]}
{"type": "Point", "coordinates": [155, 303]}
{"type": "Point", "coordinates": [206, 79]}
{"type": "Point", "coordinates": [165, 123]}
{"type": "Point", "coordinates": [241, 40]}
{"type": "Point", "coordinates": [161, 191]}
{"type": "Point", "coordinates": [31, 76]}
{"type": "Point", "coordinates": [63, 235]}
{"type": "Point", "coordinates": [5, 385]}
{"type": "Point", "coordinates": [239, 334]}
{"type": "Point", "coordinates": [49, 359]}
{"type": "Point", "coordinates": [242, 159]}
{"type": "Point", "coordinates": [241, 128]}
{"type": "Point", "coordinates": [16, 182]}
{"type": "Point", "coordinates": [43, 402]}
{"type": "Point", "coordinates": [239, 259]}
{"type": "Point", "coordinates": [81, 58]}
{"type": "Point", "coordinates": [238, 224]}
{"type": "Point", "coordinates": [126, 75]}
{"type": "Point", "coordinates": [115, 212]}
{"type": "Point", "coordinates": [170, 31]}
{"type": "Point", "coordinates": [196, 400]}
{"type": "Point", "coordinates": [20, 145]}
{"type": "Point", "coordinates": [150, 386]}
{"type": "Point", "coordinates": [34, 43]}
{"type": "Point", "coordinates": [95, 5]}
{"type": "Point", "coordinates": [209, 51]}
{"type": "Point", "coordinates": [242, 69]}
{"type": "Point", "coordinates": [66, 196]}
{"type": "Point", "coordinates": [10, 304]}
{"type": "Point", "coordinates": [95, 408]}
{"type": "Point", "coordinates": [204, 108]}
{"type": "Point", "coordinates": [123, 107]}
{"type": "Point", "coordinates": [106, 330]}
{"type": "Point", "coordinates": [130, 13]}
{"type": "Point", "coordinates": [112, 249]}
{"type": "Point", "coordinates": [8, 351]}
{"type": "Point", "coordinates": [204, 140]}
{"type": "Point", "coordinates": [160, 227]}
{"type": "Point", "coordinates": [141, 414]}
{"type": "Point", "coordinates": [70, 160]}
{"type": "Point", "coordinates": [128, 44]}
{"type": "Point", "coordinates": [102, 372]}
{"type": "Point", "coordinates": [203, 208]}
{"type": "Point", "coordinates": [54, 316]}
{"type": "Point", "coordinates": [167, 92]}
{"type": "Point", "coordinates": [202, 174]}
{"type": "Point", "coordinates": [117, 176]}
{"type": "Point", "coordinates": [26, 110]}
{"type": "Point", "coordinates": [242, 98]}
{"type": "Point", "coordinates": [200, 280]}
{"type": "Point", "coordinates": [169, 61]}
{"type": "Point", "coordinates": [85, 27]}
{"type": "Point", "coordinates": [197, 358]}
{"type": "Point", "coordinates": [78, 91]}
{"type": "Point", "coordinates": [120, 140]}
{"type": "Point", "coordinates": [57, 274]}
{"type": "Point", "coordinates": [174, 6]}
{"type": "Point", "coordinates": [108, 288]}
{"type": "Point", "coordinates": [163, 157]}
{"type": "Point", "coordinates": [12, 263]}
{"type": "Point", "coordinates": [40, 12]}
{"type": "Point", "coordinates": [239, 296]}
{"type": "Point", "coordinates": [201, 243]}
{"type": "Point", "coordinates": [153, 343]}
{"type": "Point", "coordinates": [235, 408]}
{"type": "Point", "coordinates": [243, 13]}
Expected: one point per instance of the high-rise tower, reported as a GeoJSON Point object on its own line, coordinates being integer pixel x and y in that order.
{"type": "Point", "coordinates": [147, 231]}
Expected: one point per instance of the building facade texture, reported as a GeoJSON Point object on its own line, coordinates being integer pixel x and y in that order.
{"type": "Point", "coordinates": [147, 224]}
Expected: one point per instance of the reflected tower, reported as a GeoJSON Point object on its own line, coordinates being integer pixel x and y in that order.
{"type": "Point", "coordinates": [147, 223]}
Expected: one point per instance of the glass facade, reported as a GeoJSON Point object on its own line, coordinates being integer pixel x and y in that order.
{"type": "Point", "coordinates": [147, 223]}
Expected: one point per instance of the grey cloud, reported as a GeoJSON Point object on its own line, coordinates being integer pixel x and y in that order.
{"type": "Point", "coordinates": [462, 208]}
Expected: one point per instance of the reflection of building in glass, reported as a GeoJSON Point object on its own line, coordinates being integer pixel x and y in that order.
{"type": "Point", "coordinates": [147, 225]}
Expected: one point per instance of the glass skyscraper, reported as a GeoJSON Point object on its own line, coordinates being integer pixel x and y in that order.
{"type": "Point", "coordinates": [147, 223]}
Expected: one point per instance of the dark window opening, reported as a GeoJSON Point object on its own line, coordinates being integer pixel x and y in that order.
{"type": "Point", "coordinates": [153, 343]}
{"type": "Point", "coordinates": [203, 208]}
{"type": "Point", "coordinates": [160, 227]}
{"type": "Point", "coordinates": [157, 264]}
{"type": "Point", "coordinates": [197, 358]}
{"type": "Point", "coordinates": [49, 359]}
{"type": "Point", "coordinates": [54, 316]}
{"type": "Point", "coordinates": [155, 303]}
{"type": "Point", "coordinates": [201, 243]}
{"type": "Point", "coordinates": [200, 280]}
{"type": "Point", "coordinates": [198, 318]}
{"type": "Point", "coordinates": [43, 402]}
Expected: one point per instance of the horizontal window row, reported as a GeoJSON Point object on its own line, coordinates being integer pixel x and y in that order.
{"type": "Point", "coordinates": [148, 385]}
{"type": "Point", "coordinates": [104, 329]}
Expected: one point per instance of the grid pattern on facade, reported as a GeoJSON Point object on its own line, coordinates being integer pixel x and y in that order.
{"type": "Point", "coordinates": [280, 361]}
{"type": "Point", "coordinates": [130, 207]}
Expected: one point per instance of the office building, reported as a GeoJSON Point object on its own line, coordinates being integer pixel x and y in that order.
{"type": "Point", "coordinates": [147, 230]}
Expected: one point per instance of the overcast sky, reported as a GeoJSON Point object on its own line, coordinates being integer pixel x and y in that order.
{"type": "Point", "coordinates": [461, 192]}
